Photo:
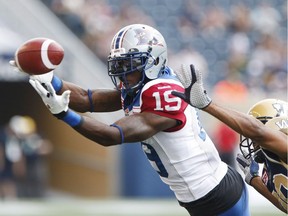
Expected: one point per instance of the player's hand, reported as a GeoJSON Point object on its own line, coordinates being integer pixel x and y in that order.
{"type": "Point", "coordinates": [55, 103]}
{"type": "Point", "coordinates": [194, 94]}
{"type": "Point", "coordinates": [249, 167]}
{"type": "Point", "coordinates": [43, 78]}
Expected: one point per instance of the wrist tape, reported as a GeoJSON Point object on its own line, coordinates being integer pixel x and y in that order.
{"type": "Point", "coordinates": [70, 117]}
{"type": "Point", "coordinates": [56, 83]}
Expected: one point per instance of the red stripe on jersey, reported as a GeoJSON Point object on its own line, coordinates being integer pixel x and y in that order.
{"type": "Point", "coordinates": [158, 99]}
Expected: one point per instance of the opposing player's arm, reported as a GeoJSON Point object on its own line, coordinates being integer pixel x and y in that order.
{"type": "Point", "coordinates": [135, 128]}
{"type": "Point", "coordinates": [252, 128]}
{"type": "Point", "coordinates": [262, 189]}
{"type": "Point", "coordinates": [100, 100]}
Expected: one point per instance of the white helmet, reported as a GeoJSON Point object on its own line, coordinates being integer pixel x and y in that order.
{"type": "Point", "coordinates": [136, 47]}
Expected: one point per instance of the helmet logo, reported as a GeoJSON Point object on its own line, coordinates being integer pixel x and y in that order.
{"type": "Point", "coordinates": [280, 108]}
{"type": "Point", "coordinates": [146, 38]}
{"type": "Point", "coordinates": [283, 123]}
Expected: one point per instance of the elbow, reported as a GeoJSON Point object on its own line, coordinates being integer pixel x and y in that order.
{"type": "Point", "coordinates": [106, 142]}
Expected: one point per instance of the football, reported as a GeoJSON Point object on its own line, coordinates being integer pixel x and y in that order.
{"type": "Point", "coordinates": [39, 56]}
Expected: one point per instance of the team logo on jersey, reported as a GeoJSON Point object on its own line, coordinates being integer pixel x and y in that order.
{"type": "Point", "coordinates": [146, 38]}
{"type": "Point", "coordinates": [265, 176]}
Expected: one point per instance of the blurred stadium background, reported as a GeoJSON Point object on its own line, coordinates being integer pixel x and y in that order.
{"type": "Point", "coordinates": [241, 47]}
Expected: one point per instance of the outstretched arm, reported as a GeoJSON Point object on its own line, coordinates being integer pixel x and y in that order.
{"type": "Point", "coordinates": [81, 100]}
{"type": "Point", "coordinates": [252, 128]}
{"type": "Point", "coordinates": [248, 126]}
{"type": "Point", "coordinates": [98, 100]}
{"type": "Point", "coordinates": [133, 128]}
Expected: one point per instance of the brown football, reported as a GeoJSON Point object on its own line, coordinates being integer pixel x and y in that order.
{"type": "Point", "coordinates": [39, 56]}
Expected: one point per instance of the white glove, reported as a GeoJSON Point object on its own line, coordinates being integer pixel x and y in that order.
{"type": "Point", "coordinates": [249, 167]}
{"type": "Point", "coordinates": [55, 103]}
{"type": "Point", "coordinates": [42, 78]}
{"type": "Point", "coordinates": [194, 94]}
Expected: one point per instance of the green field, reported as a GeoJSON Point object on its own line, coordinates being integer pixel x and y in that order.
{"type": "Point", "coordinates": [122, 207]}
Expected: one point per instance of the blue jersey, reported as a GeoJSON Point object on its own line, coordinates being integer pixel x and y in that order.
{"type": "Point", "coordinates": [275, 178]}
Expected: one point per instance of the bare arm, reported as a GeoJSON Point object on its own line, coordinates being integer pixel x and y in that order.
{"type": "Point", "coordinates": [137, 127]}
{"type": "Point", "coordinates": [104, 100]}
{"type": "Point", "coordinates": [252, 128]}
{"type": "Point", "coordinates": [196, 95]}
{"type": "Point", "coordinates": [257, 183]}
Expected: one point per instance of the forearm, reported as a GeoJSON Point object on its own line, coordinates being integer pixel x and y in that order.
{"type": "Point", "coordinates": [258, 185]}
{"type": "Point", "coordinates": [99, 132]}
{"type": "Point", "coordinates": [107, 135]}
{"type": "Point", "coordinates": [239, 122]}
{"type": "Point", "coordinates": [252, 128]}
{"type": "Point", "coordinates": [129, 129]}
{"type": "Point", "coordinates": [134, 128]}
{"type": "Point", "coordinates": [101, 100]}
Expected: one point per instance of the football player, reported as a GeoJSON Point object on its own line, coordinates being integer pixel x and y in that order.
{"type": "Point", "coordinates": [168, 128]}
{"type": "Point", "coordinates": [265, 132]}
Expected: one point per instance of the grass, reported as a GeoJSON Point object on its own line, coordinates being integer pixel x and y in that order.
{"type": "Point", "coordinates": [122, 207]}
{"type": "Point", "coordinates": [59, 204]}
